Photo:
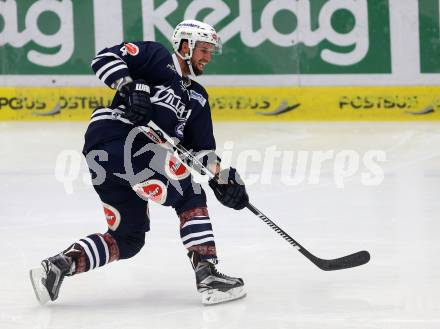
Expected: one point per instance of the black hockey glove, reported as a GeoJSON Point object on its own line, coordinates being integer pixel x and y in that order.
{"type": "Point", "coordinates": [137, 101]}
{"type": "Point", "coordinates": [229, 189]}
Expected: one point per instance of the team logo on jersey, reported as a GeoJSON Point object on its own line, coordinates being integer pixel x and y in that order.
{"type": "Point", "coordinates": [174, 168]}
{"type": "Point", "coordinates": [179, 129]}
{"type": "Point", "coordinates": [166, 97]}
{"type": "Point", "coordinates": [112, 216]}
{"type": "Point", "coordinates": [152, 189]}
{"type": "Point", "coordinates": [198, 97]}
{"type": "Point", "coordinates": [130, 48]}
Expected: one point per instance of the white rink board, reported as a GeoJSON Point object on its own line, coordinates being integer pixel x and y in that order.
{"type": "Point", "coordinates": [397, 221]}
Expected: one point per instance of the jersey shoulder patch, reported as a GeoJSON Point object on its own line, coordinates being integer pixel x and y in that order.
{"type": "Point", "coordinates": [198, 93]}
{"type": "Point", "coordinates": [129, 49]}
{"type": "Point", "coordinates": [198, 97]}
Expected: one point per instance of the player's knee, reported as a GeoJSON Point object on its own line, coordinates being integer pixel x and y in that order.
{"type": "Point", "coordinates": [129, 244]}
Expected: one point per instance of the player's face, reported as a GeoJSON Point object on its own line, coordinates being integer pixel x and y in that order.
{"type": "Point", "coordinates": [202, 55]}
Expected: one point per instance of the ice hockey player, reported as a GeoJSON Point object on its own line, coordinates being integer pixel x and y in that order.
{"type": "Point", "coordinates": [152, 84]}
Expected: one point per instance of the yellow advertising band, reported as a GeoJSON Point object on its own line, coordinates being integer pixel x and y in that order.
{"type": "Point", "coordinates": [241, 104]}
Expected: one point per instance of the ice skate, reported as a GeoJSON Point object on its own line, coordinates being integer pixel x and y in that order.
{"type": "Point", "coordinates": [214, 286]}
{"type": "Point", "coordinates": [47, 280]}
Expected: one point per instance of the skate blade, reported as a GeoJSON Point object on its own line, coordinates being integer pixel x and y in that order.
{"type": "Point", "coordinates": [36, 276]}
{"type": "Point", "coordinates": [211, 297]}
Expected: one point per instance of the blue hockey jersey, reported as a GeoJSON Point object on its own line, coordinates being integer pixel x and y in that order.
{"type": "Point", "coordinates": [180, 105]}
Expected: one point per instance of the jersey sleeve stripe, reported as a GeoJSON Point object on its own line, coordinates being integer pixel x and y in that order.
{"type": "Point", "coordinates": [122, 71]}
{"type": "Point", "coordinates": [104, 68]}
{"type": "Point", "coordinates": [104, 55]}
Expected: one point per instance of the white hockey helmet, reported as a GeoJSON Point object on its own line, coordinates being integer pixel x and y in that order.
{"type": "Point", "coordinates": [195, 31]}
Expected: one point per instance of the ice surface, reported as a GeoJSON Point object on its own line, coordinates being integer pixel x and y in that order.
{"type": "Point", "coordinates": [396, 220]}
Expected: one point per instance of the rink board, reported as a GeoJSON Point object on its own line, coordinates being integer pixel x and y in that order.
{"type": "Point", "coordinates": [241, 103]}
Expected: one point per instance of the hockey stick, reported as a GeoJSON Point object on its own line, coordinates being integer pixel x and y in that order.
{"type": "Point", "coordinates": [356, 259]}
{"type": "Point", "coordinates": [352, 260]}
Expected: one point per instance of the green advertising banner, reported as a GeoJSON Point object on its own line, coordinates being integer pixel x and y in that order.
{"type": "Point", "coordinates": [46, 37]}
{"type": "Point", "coordinates": [320, 36]}
{"type": "Point", "coordinates": [261, 37]}
{"type": "Point", "coordinates": [429, 36]}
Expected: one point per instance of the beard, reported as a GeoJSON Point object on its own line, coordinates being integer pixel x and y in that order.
{"type": "Point", "coordinates": [196, 70]}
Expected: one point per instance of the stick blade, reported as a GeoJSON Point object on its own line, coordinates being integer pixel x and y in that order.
{"type": "Point", "coordinates": [357, 259]}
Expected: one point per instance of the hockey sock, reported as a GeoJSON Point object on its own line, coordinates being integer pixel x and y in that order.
{"type": "Point", "coordinates": [92, 251]}
{"type": "Point", "coordinates": [196, 233]}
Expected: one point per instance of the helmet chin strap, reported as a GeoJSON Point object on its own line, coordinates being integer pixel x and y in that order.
{"type": "Point", "coordinates": [187, 60]}
{"type": "Point", "coordinates": [191, 70]}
